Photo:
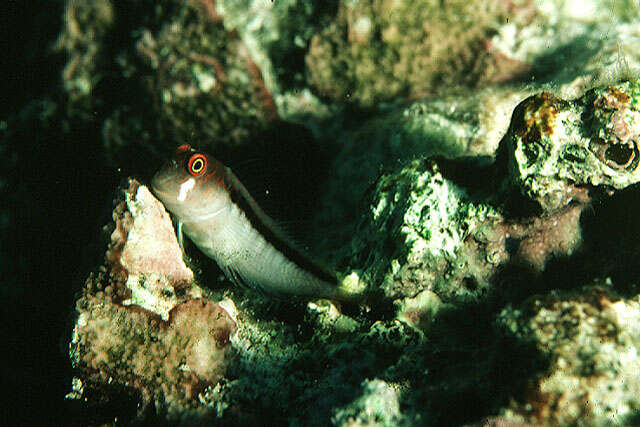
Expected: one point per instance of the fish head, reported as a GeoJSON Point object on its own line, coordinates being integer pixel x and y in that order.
{"type": "Point", "coordinates": [191, 184]}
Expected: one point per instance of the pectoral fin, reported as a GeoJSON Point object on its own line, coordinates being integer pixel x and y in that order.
{"type": "Point", "coordinates": [240, 280]}
{"type": "Point", "coordinates": [180, 235]}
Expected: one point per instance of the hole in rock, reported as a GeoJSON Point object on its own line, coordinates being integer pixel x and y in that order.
{"type": "Point", "coordinates": [619, 154]}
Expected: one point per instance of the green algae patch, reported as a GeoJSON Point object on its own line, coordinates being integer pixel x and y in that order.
{"type": "Point", "coordinates": [417, 225]}
{"type": "Point", "coordinates": [316, 364]}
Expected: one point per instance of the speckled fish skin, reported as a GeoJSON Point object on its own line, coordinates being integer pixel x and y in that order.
{"type": "Point", "coordinates": [219, 215]}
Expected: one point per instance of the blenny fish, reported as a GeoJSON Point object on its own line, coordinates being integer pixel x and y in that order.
{"type": "Point", "coordinates": [214, 209]}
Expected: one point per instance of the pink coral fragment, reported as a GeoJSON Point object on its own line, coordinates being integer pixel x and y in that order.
{"type": "Point", "coordinates": [142, 325]}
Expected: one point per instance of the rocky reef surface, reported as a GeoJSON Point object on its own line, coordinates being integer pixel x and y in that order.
{"type": "Point", "coordinates": [470, 171]}
{"type": "Point", "coordinates": [143, 327]}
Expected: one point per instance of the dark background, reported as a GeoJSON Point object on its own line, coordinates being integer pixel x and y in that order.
{"type": "Point", "coordinates": [55, 186]}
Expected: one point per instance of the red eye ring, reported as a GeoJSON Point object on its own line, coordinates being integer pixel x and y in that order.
{"type": "Point", "coordinates": [197, 164]}
{"type": "Point", "coordinates": [183, 148]}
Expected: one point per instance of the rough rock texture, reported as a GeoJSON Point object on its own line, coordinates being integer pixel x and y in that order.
{"type": "Point", "coordinates": [418, 223]}
{"type": "Point", "coordinates": [558, 146]}
{"type": "Point", "coordinates": [186, 77]}
{"type": "Point", "coordinates": [460, 125]}
{"type": "Point", "coordinates": [378, 405]}
{"type": "Point", "coordinates": [423, 231]}
{"type": "Point", "coordinates": [567, 50]}
{"type": "Point", "coordinates": [573, 46]}
{"type": "Point", "coordinates": [431, 241]}
{"type": "Point", "coordinates": [375, 51]}
{"type": "Point", "coordinates": [277, 35]}
{"type": "Point", "coordinates": [591, 339]}
{"type": "Point", "coordinates": [142, 326]}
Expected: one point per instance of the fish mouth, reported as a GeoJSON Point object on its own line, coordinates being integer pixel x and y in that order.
{"type": "Point", "coordinates": [159, 185]}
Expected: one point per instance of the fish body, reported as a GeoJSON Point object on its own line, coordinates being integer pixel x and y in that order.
{"type": "Point", "coordinates": [219, 215]}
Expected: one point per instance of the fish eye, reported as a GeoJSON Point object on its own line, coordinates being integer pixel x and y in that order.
{"type": "Point", "coordinates": [197, 164]}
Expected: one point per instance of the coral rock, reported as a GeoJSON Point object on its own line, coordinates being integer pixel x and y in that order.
{"type": "Point", "coordinates": [142, 326]}
{"type": "Point", "coordinates": [151, 244]}
{"type": "Point", "coordinates": [590, 337]}
{"type": "Point", "coordinates": [425, 232]}
{"type": "Point", "coordinates": [556, 147]}
{"type": "Point", "coordinates": [187, 77]}
{"type": "Point", "coordinates": [416, 231]}
{"type": "Point", "coordinates": [375, 51]}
